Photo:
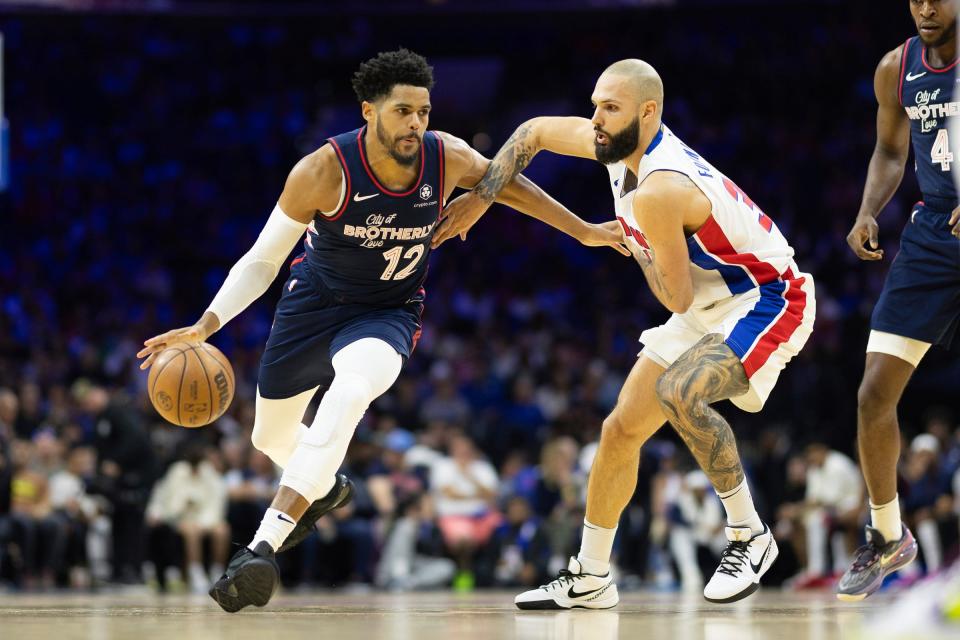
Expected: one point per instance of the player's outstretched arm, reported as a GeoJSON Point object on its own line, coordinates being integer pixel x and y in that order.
{"type": "Point", "coordinates": [467, 167]}
{"type": "Point", "coordinates": [661, 205]}
{"type": "Point", "coordinates": [889, 158]}
{"type": "Point", "coordinates": [564, 135]}
{"type": "Point", "coordinates": [309, 188]}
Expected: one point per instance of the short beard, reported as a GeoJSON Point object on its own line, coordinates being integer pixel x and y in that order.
{"type": "Point", "coordinates": [949, 32]}
{"type": "Point", "coordinates": [391, 147]}
{"type": "Point", "coordinates": [619, 145]}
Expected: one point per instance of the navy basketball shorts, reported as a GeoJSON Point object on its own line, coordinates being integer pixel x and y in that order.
{"type": "Point", "coordinates": [921, 296]}
{"type": "Point", "coordinates": [311, 325]}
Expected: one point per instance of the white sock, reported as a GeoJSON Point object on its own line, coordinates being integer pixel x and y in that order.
{"type": "Point", "coordinates": [885, 518]}
{"type": "Point", "coordinates": [274, 529]}
{"type": "Point", "coordinates": [738, 504]}
{"type": "Point", "coordinates": [595, 548]}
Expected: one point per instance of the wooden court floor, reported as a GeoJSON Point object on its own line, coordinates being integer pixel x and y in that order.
{"type": "Point", "coordinates": [428, 616]}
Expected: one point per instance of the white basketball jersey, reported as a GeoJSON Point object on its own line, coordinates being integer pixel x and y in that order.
{"type": "Point", "coordinates": [737, 249]}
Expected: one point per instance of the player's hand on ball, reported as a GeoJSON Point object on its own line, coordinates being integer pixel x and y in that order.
{"type": "Point", "coordinates": [865, 230]}
{"type": "Point", "coordinates": [955, 223]}
{"type": "Point", "coordinates": [458, 217]}
{"type": "Point", "coordinates": [192, 335]}
{"type": "Point", "coordinates": [606, 234]}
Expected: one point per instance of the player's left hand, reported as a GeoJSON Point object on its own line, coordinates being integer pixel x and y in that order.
{"type": "Point", "coordinates": [955, 222]}
{"type": "Point", "coordinates": [458, 217]}
{"type": "Point", "coordinates": [605, 234]}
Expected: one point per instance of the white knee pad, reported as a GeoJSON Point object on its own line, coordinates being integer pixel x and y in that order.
{"type": "Point", "coordinates": [363, 371]}
{"type": "Point", "coordinates": [278, 425]}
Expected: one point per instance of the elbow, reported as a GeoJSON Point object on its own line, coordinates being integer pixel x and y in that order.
{"type": "Point", "coordinates": [681, 304]}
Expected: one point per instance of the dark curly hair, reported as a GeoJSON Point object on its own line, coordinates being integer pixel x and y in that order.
{"type": "Point", "coordinates": [377, 76]}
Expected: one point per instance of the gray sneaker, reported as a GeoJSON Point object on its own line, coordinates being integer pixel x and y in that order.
{"type": "Point", "coordinates": [873, 562]}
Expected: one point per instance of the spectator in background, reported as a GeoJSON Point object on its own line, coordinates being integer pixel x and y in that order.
{"type": "Point", "coordinates": [696, 531]}
{"type": "Point", "coordinates": [395, 483]}
{"type": "Point", "coordinates": [30, 415]}
{"type": "Point", "coordinates": [556, 496]}
{"type": "Point", "coordinates": [35, 530]}
{"type": "Point", "coordinates": [191, 499]}
{"type": "Point", "coordinates": [445, 404]}
{"type": "Point", "coordinates": [464, 487]}
{"type": "Point", "coordinates": [927, 500]}
{"type": "Point", "coordinates": [834, 506]}
{"type": "Point", "coordinates": [9, 409]}
{"type": "Point", "coordinates": [665, 492]}
{"type": "Point", "coordinates": [6, 476]}
{"type": "Point", "coordinates": [73, 510]}
{"type": "Point", "coordinates": [788, 529]}
{"type": "Point", "coordinates": [522, 418]}
{"type": "Point", "coordinates": [518, 554]}
{"type": "Point", "coordinates": [427, 450]}
{"type": "Point", "coordinates": [126, 467]}
{"type": "Point", "coordinates": [251, 481]}
{"type": "Point", "coordinates": [411, 554]}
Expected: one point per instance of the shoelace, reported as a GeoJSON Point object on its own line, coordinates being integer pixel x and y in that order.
{"type": "Point", "coordinates": [733, 558]}
{"type": "Point", "coordinates": [564, 577]}
{"type": "Point", "coordinates": [865, 555]}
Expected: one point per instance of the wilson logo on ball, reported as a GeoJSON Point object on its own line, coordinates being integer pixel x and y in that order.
{"type": "Point", "coordinates": [223, 390]}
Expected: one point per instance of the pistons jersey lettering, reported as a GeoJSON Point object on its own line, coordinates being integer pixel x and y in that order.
{"type": "Point", "coordinates": [374, 249]}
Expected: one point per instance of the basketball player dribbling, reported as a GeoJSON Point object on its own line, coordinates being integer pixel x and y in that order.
{"type": "Point", "coordinates": [741, 310]}
{"type": "Point", "coordinates": [920, 302]}
{"type": "Point", "coordinates": [349, 314]}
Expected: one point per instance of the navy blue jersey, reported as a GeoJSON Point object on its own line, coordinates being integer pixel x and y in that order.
{"type": "Point", "coordinates": [926, 94]}
{"type": "Point", "coordinates": [374, 248]}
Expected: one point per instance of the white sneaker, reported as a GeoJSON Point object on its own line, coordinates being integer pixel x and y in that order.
{"type": "Point", "coordinates": [746, 558]}
{"type": "Point", "coordinates": [571, 590]}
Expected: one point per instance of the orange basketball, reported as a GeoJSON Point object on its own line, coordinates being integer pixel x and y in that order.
{"type": "Point", "coordinates": [191, 386]}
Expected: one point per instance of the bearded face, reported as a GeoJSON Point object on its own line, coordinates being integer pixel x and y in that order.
{"type": "Point", "coordinates": [614, 147]}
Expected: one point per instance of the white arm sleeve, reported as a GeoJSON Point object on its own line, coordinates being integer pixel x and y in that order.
{"type": "Point", "coordinates": [253, 273]}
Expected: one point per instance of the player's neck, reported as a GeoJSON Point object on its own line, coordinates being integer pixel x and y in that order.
{"type": "Point", "coordinates": [633, 160]}
{"type": "Point", "coordinates": [942, 55]}
{"type": "Point", "coordinates": [388, 172]}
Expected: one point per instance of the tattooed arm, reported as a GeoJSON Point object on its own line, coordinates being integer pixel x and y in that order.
{"type": "Point", "coordinates": [667, 205]}
{"type": "Point", "coordinates": [465, 167]}
{"type": "Point", "coordinates": [566, 136]}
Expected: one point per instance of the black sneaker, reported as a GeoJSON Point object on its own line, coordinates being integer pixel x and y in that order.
{"type": "Point", "coordinates": [341, 494]}
{"type": "Point", "coordinates": [252, 577]}
{"type": "Point", "coordinates": [873, 562]}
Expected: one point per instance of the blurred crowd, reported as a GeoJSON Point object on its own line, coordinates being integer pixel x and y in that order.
{"type": "Point", "coordinates": [128, 205]}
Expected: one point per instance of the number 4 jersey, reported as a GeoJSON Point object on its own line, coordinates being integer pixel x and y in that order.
{"type": "Point", "coordinates": [373, 248]}
{"type": "Point", "coordinates": [926, 94]}
{"type": "Point", "coordinates": [736, 250]}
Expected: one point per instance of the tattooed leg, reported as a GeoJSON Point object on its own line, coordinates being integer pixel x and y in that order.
{"type": "Point", "coordinates": [708, 372]}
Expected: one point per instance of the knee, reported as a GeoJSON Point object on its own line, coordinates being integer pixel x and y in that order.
{"type": "Point", "coordinates": [260, 438]}
{"type": "Point", "coordinates": [352, 390]}
{"type": "Point", "coordinates": [874, 399]}
{"type": "Point", "coordinates": [669, 390]}
{"type": "Point", "coordinates": [619, 431]}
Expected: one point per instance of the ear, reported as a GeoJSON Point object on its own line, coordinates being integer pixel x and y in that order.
{"type": "Point", "coordinates": [649, 109]}
{"type": "Point", "coordinates": [369, 111]}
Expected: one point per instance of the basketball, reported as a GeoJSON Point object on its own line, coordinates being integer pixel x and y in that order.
{"type": "Point", "coordinates": [191, 386]}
